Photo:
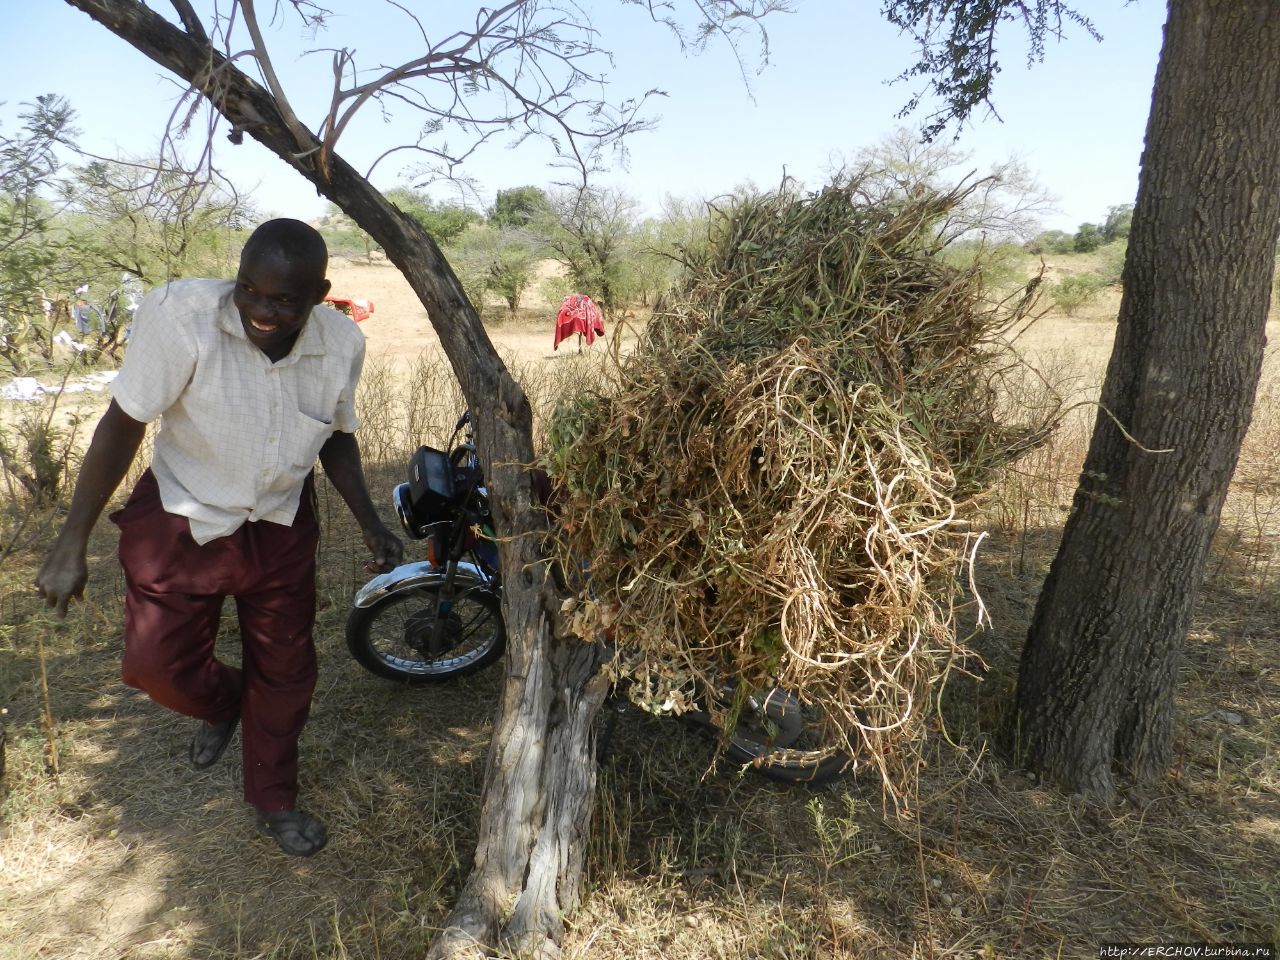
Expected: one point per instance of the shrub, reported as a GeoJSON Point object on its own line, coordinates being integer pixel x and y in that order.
{"type": "Point", "coordinates": [1087, 239]}
{"type": "Point", "coordinates": [444, 221]}
{"type": "Point", "coordinates": [1051, 241]}
{"type": "Point", "coordinates": [1073, 292]}
{"type": "Point", "coordinates": [494, 260]}
{"type": "Point", "coordinates": [1003, 266]}
{"type": "Point", "coordinates": [555, 288]}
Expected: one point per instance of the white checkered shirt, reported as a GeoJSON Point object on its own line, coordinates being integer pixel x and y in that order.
{"type": "Point", "coordinates": [238, 434]}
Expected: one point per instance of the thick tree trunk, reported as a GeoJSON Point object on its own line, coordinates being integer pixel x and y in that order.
{"type": "Point", "coordinates": [1096, 689]}
{"type": "Point", "coordinates": [540, 782]}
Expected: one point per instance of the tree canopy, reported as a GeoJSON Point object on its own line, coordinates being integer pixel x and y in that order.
{"type": "Point", "coordinates": [444, 221]}
{"type": "Point", "coordinates": [959, 55]}
{"type": "Point", "coordinates": [519, 207]}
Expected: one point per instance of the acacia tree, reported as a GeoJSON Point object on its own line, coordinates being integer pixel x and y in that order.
{"type": "Point", "coordinates": [588, 230]}
{"type": "Point", "coordinates": [519, 207]}
{"type": "Point", "coordinates": [1096, 686]}
{"type": "Point", "coordinates": [533, 57]}
{"type": "Point", "coordinates": [153, 220]}
{"type": "Point", "coordinates": [1004, 204]}
{"type": "Point", "coordinates": [30, 251]}
{"type": "Point", "coordinates": [137, 223]}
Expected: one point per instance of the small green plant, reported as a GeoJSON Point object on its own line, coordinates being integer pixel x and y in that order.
{"type": "Point", "coordinates": [37, 457]}
{"type": "Point", "coordinates": [839, 834]}
{"type": "Point", "coordinates": [1073, 292]}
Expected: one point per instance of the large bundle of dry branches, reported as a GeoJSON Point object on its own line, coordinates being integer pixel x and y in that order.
{"type": "Point", "coordinates": [777, 489]}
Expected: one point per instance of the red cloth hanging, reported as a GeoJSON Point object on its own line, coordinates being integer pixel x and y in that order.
{"type": "Point", "coordinates": [578, 314]}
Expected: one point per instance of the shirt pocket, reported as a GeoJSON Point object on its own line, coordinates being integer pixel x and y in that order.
{"type": "Point", "coordinates": [316, 389]}
{"type": "Point", "coordinates": [308, 435]}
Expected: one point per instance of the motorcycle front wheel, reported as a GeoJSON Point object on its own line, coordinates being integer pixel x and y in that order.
{"type": "Point", "coordinates": [780, 738]}
{"type": "Point", "coordinates": [418, 637]}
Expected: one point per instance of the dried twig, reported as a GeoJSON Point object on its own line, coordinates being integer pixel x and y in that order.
{"type": "Point", "coordinates": [50, 725]}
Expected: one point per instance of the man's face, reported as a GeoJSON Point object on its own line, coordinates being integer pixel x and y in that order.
{"type": "Point", "coordinates": [274, 297]}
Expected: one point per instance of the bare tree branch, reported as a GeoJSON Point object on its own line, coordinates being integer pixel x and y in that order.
{"type": "Point", "coordinates": [468, 62]}
{"type": "Point", "coordinates": [294, 125]}
{"type": "Point", "coordinates": [725, 19]}
{"type": "Point", "coordinates": [190, 22]}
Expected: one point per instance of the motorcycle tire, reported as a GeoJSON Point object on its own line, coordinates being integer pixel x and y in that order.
{"type": "Point", "coordinates": [397, 637]}
{"type": "Point", "coordinates": [775, 738]}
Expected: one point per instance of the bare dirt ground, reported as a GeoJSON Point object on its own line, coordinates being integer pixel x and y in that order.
{"type": "Point", "coordinates": [111, 848]}
{"type": "Point", "coordinates": [399, 331]}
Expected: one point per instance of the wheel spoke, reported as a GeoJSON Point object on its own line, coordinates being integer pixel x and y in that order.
{"type": "Point", "coordinates": [409, 637]}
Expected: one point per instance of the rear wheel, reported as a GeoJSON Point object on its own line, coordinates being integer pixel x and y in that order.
{"type": "Point", "coordinates": [781, 738]}
{"type": "Point", "coordinates": [419, 637]}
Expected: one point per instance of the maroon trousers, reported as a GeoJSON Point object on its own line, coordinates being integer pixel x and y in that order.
{"type": "Point", "coordinates": [173, 603]}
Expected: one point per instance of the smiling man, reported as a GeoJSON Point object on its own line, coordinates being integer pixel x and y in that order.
{"type": "Point", "coordinates": [252, 382]}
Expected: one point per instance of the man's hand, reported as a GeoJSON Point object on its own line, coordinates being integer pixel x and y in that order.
{"type": "Point", "coordinates": [62, 576]}
{"type": "Point", "coordinates": [386, 548]}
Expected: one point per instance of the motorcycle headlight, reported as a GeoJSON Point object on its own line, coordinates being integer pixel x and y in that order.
{"type": "Point", "coordinates": [404, 510]}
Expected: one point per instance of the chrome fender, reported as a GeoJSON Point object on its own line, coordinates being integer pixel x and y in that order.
{"type": "Point", "coordinates": [414, 576]}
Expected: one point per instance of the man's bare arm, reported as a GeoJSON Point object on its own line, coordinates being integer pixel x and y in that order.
{"type": "Point", "coordinates": [115, 443]}
{"type": "Point", "coordinates": [340, 457]}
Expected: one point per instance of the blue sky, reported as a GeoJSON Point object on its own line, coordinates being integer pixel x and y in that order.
{"type": "Point", "coordinates": [1076, 120]}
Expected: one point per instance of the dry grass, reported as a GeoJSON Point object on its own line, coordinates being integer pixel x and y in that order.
{"type": "Point", "coordinates": [777, 486]}
{"type": "Point", "coordinates": [128, 854]}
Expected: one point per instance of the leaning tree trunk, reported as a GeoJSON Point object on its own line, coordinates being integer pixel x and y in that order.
{"type": "Point", "coordinates": [540, 780]}
{"type": "Point", "coordinates": [1097, 682]}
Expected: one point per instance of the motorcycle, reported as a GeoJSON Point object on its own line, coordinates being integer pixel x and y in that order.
{"type": "Point", "coordinates": [433, 620]}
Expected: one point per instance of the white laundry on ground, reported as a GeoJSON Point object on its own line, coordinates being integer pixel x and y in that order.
{"type": "Point", "coordinates": [22, 388]}
{"type": "Point", "coordinates": [29, 388]}
{"type": "Point", "coordinates": [66, 340]}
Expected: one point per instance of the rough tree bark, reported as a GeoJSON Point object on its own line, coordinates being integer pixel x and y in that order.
{"type": "Point", "coordinates": [539, 787]}
{"type": "Point", "coordinates": [1096, 689]}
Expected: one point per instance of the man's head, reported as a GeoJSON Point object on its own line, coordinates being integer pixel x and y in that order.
{"type": "Point", "coordinates": [282, 268]}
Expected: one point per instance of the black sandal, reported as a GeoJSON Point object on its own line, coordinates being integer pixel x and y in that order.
{"type": "Point", "coordinates": [295, 832]}
{"type": "Point", "coordinates": [210, 742]}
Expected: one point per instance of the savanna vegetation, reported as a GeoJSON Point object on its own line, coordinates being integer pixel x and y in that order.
{"type": "Point", "coordinates": [690, 857]}
{"type": "Point", "coordinates": [111, 847]}
{"type": "Point", "coordinates": [599, 238]}
{"type": "Point", "coordinates": [1165, 828]}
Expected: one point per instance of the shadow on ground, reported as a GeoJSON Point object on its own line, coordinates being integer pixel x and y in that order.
{"type": "Point", "coordinates": [128, 853]}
